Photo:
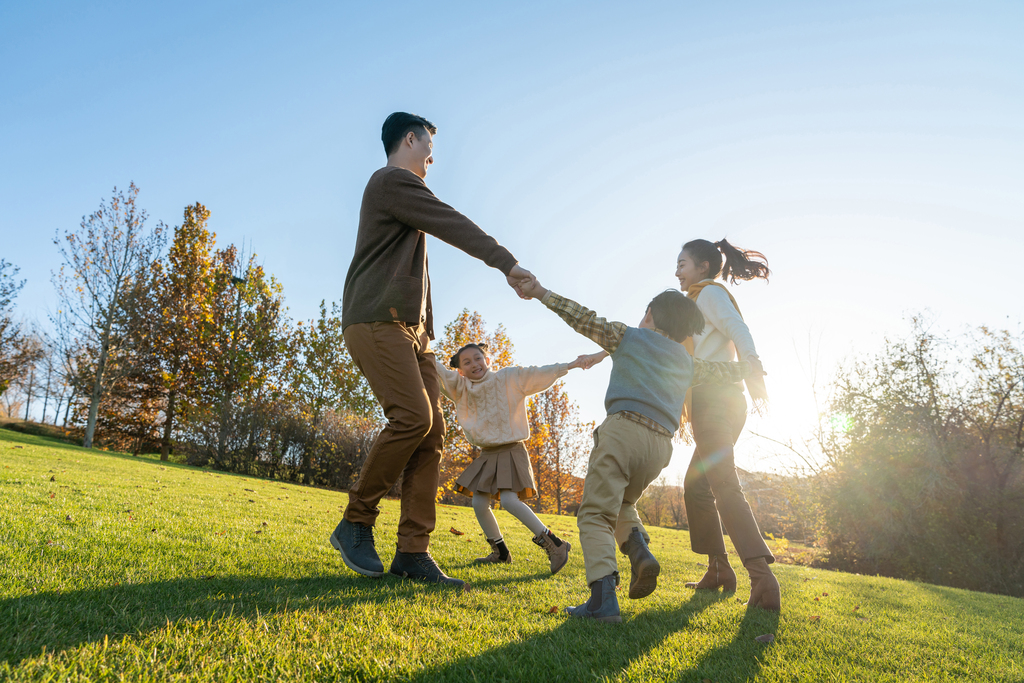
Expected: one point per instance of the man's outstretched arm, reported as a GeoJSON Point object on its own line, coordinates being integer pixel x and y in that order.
{"type": "Point", "coordinates": [410, 201]}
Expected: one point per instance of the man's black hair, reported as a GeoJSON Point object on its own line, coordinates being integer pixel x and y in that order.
{"type": "Point", "coordinates": [398, 125]}
{"type": "Point", "coordinates": [455, 359]}
{"type": "Point", "coordinates": [676, 314]}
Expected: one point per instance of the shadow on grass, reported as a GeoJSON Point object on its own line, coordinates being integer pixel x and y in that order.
{"type": "Point", "coordinates": [53, 622]}
{"type": "Point", "coordinates": [585, 650]}
{"type": "Point", "coordinates": [573, 650]}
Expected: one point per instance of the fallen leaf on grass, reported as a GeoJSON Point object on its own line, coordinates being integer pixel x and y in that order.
{"type": "Point", "coordinates": [249, 490]}
{"type": "Point", "coordinates": [554, 608]}
{"type": "Point", "coordinates": [766, 638]}
{"type": "Point", "coordinates": [456, 531]}
{"type": "Point", "coordinates": [824, 595]}
{"type": "Point", "coordinates": [67, 518]}
{"type": "Point", "coordinates": [153, 530]}
{"type": "Point", "coordinates": [53, 495]}
{"type": "Point", "coordinates": [856, 607]}
{"type": "Point", "coordinates": [814, 617]}
{"type": "Point", "coordinates": [53, 478]}
{"type": "Point", "coordinates": [264, 524]}
{"type": "Point", "coordinates": [259, 531]}
{"type": "Point", "coordinates": [806, 580]}
{"type": "Point", "coordinates": [863, 619]}
{"type": "Point", "coordinates": [817, 599]}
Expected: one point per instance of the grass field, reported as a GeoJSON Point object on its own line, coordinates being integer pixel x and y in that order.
{"type": "Point", "coordinates": [121, 568]}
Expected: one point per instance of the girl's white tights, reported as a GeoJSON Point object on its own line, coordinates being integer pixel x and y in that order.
{"type": "Point", "coordinates": [509, 501]}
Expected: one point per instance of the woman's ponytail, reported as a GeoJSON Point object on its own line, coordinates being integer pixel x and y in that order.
{"type": "Point", "coordinates": [742, 264]}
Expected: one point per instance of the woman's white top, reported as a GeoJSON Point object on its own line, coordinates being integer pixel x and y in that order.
{"type": "Point", "coordinates": [725, 334]}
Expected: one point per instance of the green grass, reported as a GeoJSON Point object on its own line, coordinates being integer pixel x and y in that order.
{"type": "Point", "coordinates": [127, 568]}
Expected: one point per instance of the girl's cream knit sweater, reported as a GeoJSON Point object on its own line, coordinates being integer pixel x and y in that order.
{"type": "Point", "coordinates": [492, 409]}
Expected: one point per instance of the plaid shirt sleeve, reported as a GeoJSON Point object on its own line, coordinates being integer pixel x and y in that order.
{"type": "Point", "coordinates": [608, 335]}
{"type": "Point", "coordinates": [711, 372]}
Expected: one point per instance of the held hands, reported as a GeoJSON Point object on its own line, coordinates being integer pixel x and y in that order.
{"type": "Point", "coordinates": [516, 277]}
{"type": "Point", "coordinates": [531, 288]}
{"type": "Point", "coordinates": [588, 361]}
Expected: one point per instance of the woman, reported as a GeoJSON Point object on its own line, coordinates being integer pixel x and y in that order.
{"type": "Point", "coordinates": [712, 492]}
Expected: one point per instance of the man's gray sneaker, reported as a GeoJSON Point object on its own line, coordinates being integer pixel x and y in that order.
{"type": "Point", "coordinates": [644, 567]}
{"type": "Point", "coordinates": [603, 605]}
{"type": "Point", "coordinates": [355, 543]}
{"type": "Point", "coordinates": [421, 566]}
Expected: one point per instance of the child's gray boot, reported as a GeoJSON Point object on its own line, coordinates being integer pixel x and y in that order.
{"type": "Point", "coordinates": [556, 548]}
{"type": "Point", "coordinates": [644, 567]}
{"type": "Point", "coordinates": [499, 553]}
{"type": "Point", "coordinates": [602, 605]}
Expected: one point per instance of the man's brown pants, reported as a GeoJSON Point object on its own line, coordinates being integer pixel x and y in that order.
{"type": "Point", "coordinates": [711, 489]}
{"type": "Point", "coordinates": [396, 360]}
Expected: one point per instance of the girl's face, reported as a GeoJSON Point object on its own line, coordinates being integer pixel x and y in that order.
{"type": "Point", "coordinates": [688, 271]}
{"type": "Point", "coordinates": [473, 364]}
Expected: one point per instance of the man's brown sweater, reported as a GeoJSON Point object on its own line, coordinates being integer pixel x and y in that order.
{"type": "Point", "coordinates": [388, 279]}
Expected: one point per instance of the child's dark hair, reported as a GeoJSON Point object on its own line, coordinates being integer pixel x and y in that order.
{"type": "Point", "coordinates": [398, 125]}
{"type": "Point", "coordinates": [676, 314]}
{"type": "Point", "coordinates": [454, 362]}
{"type": "Point", "coordinates": [740, 264]}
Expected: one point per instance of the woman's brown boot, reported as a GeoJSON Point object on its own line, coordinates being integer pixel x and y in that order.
{"type": "Point", "coordinates": [719, 573]}
{"type": "Point", "coordinates": [764, 587]}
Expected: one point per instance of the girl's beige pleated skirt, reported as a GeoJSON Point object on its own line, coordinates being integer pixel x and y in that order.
{"type": "Point", "coordinates": [501, 467]}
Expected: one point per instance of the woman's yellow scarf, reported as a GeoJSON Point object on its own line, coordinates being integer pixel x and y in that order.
{"type": "Point", "coordinates": [755, 385]}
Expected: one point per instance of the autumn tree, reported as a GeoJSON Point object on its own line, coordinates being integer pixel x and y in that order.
{"type": "Point", "coordinates": [10, 332]}
{"type": "Point", "coordinates": [323, 378]}
{"type": "Point", "coordinates": [559, 444]}
{"type": "Point", "coordinates": [246, 339]}
{"type": "Point", "coordinates": [184, 287]}
{"type": "Point", "coordinates": [466, 328]}
{"type": "Point", "coordinates": [107, 266]}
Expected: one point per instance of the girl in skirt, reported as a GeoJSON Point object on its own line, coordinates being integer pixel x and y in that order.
{"type": "Point", "coordinates": [491, 407]}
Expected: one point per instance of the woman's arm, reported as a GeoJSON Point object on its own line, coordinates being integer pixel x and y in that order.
{"type": "Point", "coordinates": [718, 309]}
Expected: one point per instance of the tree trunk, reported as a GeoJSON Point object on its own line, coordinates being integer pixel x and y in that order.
{"type": "Point", "coordinates": [97, 388]}
{"type": "Point", "coordinates": [67, 408]}
{"type": "Point", "coordinates": [165, 443]}
{"type": "Point", "coordinates": [28, 391]}
{"type": "Point", "coordinates": [222, 433]}
{"type": "Point", "coordinates": [46, 393]}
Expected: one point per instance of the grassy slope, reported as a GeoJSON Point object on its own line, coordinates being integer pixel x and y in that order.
{"type": "Point", "coordinates": [127, 567]}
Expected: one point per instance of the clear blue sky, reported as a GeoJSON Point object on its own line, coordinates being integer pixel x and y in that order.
{"type": "Point", "coordinates": [873, 150]}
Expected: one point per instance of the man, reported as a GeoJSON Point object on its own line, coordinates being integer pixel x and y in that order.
{"type": "Point", "coordinates": [388, 324]}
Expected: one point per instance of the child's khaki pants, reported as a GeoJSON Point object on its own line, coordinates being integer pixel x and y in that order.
{"type": "Point", "coordinates": [626, 458]}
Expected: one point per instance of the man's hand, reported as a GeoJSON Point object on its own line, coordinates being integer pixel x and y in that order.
{"type": "Point", "coordinates": [515, 278]}
{"type": "Point", "coordinates": [588, 361]}
{"type": "Point", "coordinates": [531, 288]}
{"type": "Point", "coordinates": [756, 369]}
